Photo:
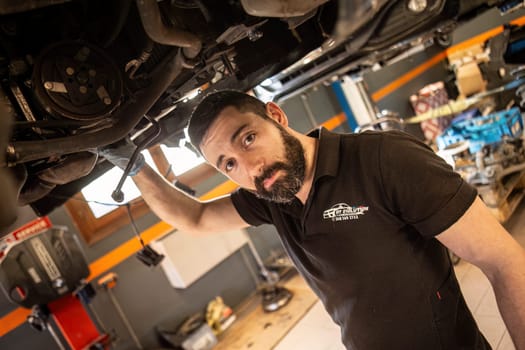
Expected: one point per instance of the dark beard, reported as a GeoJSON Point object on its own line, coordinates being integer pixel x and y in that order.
{"type": "Point", "coordinates": [286, 187]}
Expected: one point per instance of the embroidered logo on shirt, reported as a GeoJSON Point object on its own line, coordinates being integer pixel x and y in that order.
{"type": "Point", "coordinates": [342, 212]}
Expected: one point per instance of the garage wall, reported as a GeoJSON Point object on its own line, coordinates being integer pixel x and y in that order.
{"type": "Point", "coordinates": [398, 100]}
{"type": "Point", "coordinates": [322, 103]}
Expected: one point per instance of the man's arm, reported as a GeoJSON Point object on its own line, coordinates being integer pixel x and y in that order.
{"type": "Point", "coordinates": [183, 211]}
{"type": "Point", "coordinates": [479, 238]}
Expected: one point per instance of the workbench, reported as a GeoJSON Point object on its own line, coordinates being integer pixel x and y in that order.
{"type": "Point", "coordinates": [255, 329]}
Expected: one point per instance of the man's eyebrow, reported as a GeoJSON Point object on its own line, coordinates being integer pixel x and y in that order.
{"type": "Point", "coordinates": [219, 161]}
{"type": "Point", "coordinates": [235, 134]}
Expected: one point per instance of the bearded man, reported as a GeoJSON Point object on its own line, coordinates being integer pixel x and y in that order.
{"type": "Point", "coordinates": [366, 218]}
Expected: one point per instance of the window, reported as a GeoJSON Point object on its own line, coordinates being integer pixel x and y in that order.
{"type": "Point", "coordinates": [95, 221]}
{"type": "Point", "coordinates": [98, 192]}
{"type": "Point", "coordinates": [181, 159]}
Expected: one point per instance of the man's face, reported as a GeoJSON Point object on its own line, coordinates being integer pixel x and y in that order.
{"type": "Point", "coordinates": [258, 154]}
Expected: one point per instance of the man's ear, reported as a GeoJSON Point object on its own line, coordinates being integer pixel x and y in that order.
{"type": "Point", "coordinates": [276, 113]}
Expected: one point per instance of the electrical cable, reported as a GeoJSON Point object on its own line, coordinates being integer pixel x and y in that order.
{"type": "Point", "coordinates": [87, 201]}
{"type": "Point", "coordinates": [133, 224]}
{"type": "Point", "coordinates": [146, 255]}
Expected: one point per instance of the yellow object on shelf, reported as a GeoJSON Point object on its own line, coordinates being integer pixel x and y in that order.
{"type": "Point", "coordinates": [219, 316]}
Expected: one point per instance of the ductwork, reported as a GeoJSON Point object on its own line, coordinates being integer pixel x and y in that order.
{"type": "Point", "coordinates": [160, 33]}
{"type": "Point", "coordinates": [127, 116]}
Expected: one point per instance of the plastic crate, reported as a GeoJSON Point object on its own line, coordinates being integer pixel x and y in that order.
{"type": "Point", "coordinates": [483, 130]}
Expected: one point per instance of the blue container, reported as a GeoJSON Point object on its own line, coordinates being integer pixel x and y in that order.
{"type": "Point", "coordinates": [483, 130]}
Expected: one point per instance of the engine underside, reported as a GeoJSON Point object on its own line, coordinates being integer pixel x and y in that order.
{"type": "Point", "coordinates": [80, 75]}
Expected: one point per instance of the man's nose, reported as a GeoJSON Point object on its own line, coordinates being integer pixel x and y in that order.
{"type": "Point", "coordinates": [255, 166]}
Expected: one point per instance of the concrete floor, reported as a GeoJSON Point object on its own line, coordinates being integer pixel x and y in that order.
{"type": "Point", "coordinates": [317, 331]}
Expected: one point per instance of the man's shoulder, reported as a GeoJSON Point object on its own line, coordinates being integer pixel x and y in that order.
{"type": "Point", "coordinates": [380, 137]}
{"type": "Point", "coordinates": [362, 138]}
{"type": "Point", "coordinates": [254, 210]}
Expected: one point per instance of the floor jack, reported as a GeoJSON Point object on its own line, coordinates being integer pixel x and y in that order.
{"type": "Point", "coordinates": [75, 325]}
{"type": "Point", "coordinates": [44, 269]}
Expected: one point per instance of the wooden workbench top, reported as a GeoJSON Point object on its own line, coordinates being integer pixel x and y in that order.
{"type": "Point", "coordinates": [259, 330]}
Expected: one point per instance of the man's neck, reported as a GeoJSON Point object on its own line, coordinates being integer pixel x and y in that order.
{"type": "Point", "coordinates": [310, 145]}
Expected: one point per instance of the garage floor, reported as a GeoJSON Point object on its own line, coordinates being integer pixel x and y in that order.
{"type": "Point", "coordinates": [317, 331]}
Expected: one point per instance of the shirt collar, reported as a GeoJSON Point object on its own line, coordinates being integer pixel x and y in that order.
{"type": "Point", "coordinates": [328, 149]}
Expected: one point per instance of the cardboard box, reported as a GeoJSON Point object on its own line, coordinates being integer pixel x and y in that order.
{"type": "Point", "coordinates": [469, 79]}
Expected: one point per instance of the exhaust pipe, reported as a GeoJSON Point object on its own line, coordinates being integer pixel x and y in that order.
{"type": "Point", "coordinates": [352, 14]}
{"type": "Point", "coordinates": [160, 33]}
{"type": "Point", "coordinates": [127, 117]}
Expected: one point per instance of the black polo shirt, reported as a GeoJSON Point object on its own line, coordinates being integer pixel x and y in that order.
{"type": "Point", "coordinates": [363, 241]}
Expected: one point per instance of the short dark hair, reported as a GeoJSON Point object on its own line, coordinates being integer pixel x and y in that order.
{"type": "Point", "coordinates": [213, 104]}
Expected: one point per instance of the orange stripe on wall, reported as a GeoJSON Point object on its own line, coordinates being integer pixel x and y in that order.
{"type": "Point", "coordinates": [226, 187]}
{"type": "Point", "coordinates": [518, 21]}
{"type": "Point", "coordinates": [335, 121]}
{"type": "Point", "coordinates": [480, 38]}
{"type": "Point", "coordinates": [405, 78]}
{"type": "Point", "coordinates": [130, 247]}
{"type": "Point", "coordinates": [408, 76]}
{"type": "Point", "coordinates": [12, 320]}
{"type": "Point", "coordinates": [127, 249]}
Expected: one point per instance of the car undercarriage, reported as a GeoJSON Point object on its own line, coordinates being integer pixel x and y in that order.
{"type": "Point", "coordinates": [79, 75]}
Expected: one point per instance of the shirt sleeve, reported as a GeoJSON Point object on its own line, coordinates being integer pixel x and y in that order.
{"type": "Point", "coordinates": [253, 210]}
{"type": "Point", "coordinates": [420, 187]}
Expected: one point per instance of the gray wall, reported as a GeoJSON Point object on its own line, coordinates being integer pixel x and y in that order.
{"type": "Point", "coordinates": [398, 100]}
{"type": "Point", "coordinates": [323, 105]}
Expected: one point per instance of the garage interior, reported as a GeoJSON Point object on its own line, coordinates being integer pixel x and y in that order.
{"type": "Point", "coordinates": [226, 292]}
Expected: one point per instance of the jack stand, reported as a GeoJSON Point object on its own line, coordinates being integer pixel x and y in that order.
{"type": "Point", "coordinates": [109, 281]}
{"type": "Point", "coordinates": [38, 319]}
{"type": "Point", "coordinates": [274, 297]}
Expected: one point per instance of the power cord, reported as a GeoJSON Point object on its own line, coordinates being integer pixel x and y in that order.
{"type": "Point", "coordinates": [146, 255]}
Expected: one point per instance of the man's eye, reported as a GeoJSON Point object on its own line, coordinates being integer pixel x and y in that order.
{"type": "Point", "coordinates": [248, 140]}
{"type": "Point", "coordinates": [228, 166]}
